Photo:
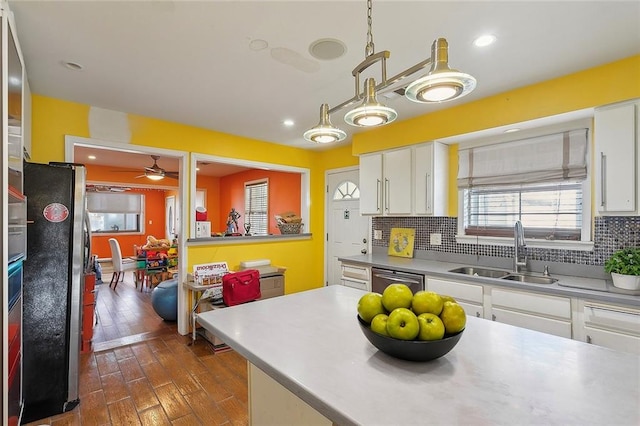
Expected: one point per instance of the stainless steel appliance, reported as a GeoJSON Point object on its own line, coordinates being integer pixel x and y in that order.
{"type": "Point", "coordinates": [57, 257]}
{"type": "Point", "coordinates": [381, 278]}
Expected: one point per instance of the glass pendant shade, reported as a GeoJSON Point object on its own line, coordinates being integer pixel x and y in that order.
{"type": "Point", "coordinates": [441, 83]}
{"type": "Point", "coordinates": [324, 132]}
{"type": "Point", "coordinates": [370, 113]}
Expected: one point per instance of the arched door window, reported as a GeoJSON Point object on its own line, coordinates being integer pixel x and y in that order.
{"type": "Point", "coordinates": [347, 190]}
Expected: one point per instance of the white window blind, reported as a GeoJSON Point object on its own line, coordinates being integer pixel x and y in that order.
{"type": "Point", "coordinates": [551, 158]}
{"type": "Point", "coordinates": [255, 206]}
{"type": "Point", "coordinates": [103, 202]}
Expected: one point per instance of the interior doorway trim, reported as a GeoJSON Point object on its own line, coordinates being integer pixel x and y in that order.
{"type": "Point", "coordinates": [72, 141]}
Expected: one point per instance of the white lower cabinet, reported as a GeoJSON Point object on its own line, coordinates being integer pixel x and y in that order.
{"type": "Point", "coordinates": [610, 326]}
{"type": "Point", "coordinates": [356, 276]}
{"type": "Point", "coordinates": [469, 296]}
{"type": "Point", "coordinates": [540, 312]}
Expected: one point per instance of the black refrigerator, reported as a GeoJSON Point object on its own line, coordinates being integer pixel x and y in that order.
{"type": "Point", "coordinates": [58, 252]}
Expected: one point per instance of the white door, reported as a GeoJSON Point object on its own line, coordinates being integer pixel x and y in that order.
{"type": "Point", "coordinates": [347, 231]}
{"type": "Point", "coordinates": [170, 217]}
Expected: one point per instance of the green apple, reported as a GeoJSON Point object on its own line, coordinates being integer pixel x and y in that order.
{"type": "Point", "coordinates": [369, 306]}
{"type": "Point", "coordinates": [431, 327]}
{"type": "Point", "coordinates": [426, 302]}
{"type": "Point", "coordinates": [453, 317]}
{"type": "Point", "coordinates": [397, 296]}
{"type": "Point", "coordinates": [403, 324]}
{"type": "Point", "coordinates": [447, 298]}
{"type": "Point", "coordinates": [379, 324]}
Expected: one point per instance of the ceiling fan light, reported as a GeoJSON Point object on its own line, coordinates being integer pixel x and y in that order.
{"type": "Point", "coordinates": [370, 113]}
{"type": "Point", "coordinates": [324, 132]}
{"type": "Point", "coordinates": [154, 177]}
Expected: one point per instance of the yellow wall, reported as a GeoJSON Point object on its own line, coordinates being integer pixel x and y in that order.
{"type": "Point", "coordinates": [52, 119]}
{"type": "Point", "coordinates": [614, 82]}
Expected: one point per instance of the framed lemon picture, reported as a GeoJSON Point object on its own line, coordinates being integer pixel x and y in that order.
{"type": "Point", "coordinates": [401, 242]}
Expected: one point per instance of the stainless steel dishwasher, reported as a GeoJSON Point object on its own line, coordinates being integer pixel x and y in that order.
{"type": "Point", "coordinates": [381, 278]}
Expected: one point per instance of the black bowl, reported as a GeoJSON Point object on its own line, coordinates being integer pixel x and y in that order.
{"type": "Point", "coordinates": [410, 350]}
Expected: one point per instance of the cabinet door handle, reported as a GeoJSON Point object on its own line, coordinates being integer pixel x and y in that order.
{"type": "Point", "coordinates": [378, 195]}
{"type": "Point", "coordinates": [386, 195]}
{"type": "Point", "coordinates": [493, 317]}
{"type": "Point", "coordinates": [478, 314]}
{"type": "Point", "coordinates": [603, 186]}
{"type": "Point", "coordinates": [426, 193]}
{"type": "Point", "coordinates": [588, 339]}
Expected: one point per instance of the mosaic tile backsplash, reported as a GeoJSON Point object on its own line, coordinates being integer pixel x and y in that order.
{"type": "Point", "coordinates": [611, 233]}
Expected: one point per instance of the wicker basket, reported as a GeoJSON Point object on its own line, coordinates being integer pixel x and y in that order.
{"type": "Point", "coordinates": [289, 228]}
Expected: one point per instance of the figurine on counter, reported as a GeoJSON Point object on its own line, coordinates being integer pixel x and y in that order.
{"type": "Point", "coordinates": [232, 221]}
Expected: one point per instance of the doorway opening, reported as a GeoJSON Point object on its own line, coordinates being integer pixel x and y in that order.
{"type": "Point", "coordinates": [126, 312]}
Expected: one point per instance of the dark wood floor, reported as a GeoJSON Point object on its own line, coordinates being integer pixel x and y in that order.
{"type": "Point", "coordinates": [125, 311]}
{"type": "Point", "coordinates": [142, 372]}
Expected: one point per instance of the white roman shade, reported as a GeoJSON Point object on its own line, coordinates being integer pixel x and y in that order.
{"type": "Point", "coordinates": [114, 203]}
{"type": "Point", "coordinates": [552, 158]}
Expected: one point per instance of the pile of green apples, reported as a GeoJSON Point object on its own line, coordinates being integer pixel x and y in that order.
{"type": "Point", "coordinates": [400, 314]}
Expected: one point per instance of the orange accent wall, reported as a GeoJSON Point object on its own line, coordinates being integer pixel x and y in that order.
{"type": "Point", "coordinates": [154, 211]}
{"type": "Point", "coordinates": [228, 191]}
{"type": "Point", "coordinates": [212, 186]}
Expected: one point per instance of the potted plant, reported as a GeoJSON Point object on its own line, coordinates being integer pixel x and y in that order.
{"type": "Point", "coordinates": [624, 267]}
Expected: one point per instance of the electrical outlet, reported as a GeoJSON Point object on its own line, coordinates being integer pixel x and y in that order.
{"type": "Point", "coordinates": [436, 239]}
{"type": "Point", "coordinates": [377, 234]}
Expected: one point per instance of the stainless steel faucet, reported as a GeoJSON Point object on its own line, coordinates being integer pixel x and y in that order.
{"type": "Point", "coordinates": [519, 247]}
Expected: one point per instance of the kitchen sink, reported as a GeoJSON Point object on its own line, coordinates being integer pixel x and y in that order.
{"type": "Point", "coordinates": [533, 279]}
{"type": "Point", "coordinates": [480, 272]}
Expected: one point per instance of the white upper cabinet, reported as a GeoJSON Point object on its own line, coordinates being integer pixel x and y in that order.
{"type": "Point", "coordinates": [386, 183]}
{"type": "Point", "coordinates": [431, 179]}
{"type": "Point", "coordinates": [616, 159]}
{"type": "Point", "coordinates": [404, 182]}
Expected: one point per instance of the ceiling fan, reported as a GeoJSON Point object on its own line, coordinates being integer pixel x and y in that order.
{"type": "Point", "coordinates": [156, 172]}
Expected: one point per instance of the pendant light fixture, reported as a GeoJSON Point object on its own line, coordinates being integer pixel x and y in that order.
{"type": "Point", "coordinates": [440, 84]}
{"type": "Point", "coordinates": [324, 132]}
{"type": "Point", "coordinates": [370, 113]}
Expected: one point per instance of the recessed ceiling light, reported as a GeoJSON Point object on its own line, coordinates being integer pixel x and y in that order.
{"type": "Point", "coordinates": [288, 122]}
{"type": "Point", "coordinates": [91, 157]}
{"type": "Point", "coordinates": [513, 129]}
{"type": "Point", "coordinates": [73, 66]}
{"type": "Point", "coordinates": [484, 40]}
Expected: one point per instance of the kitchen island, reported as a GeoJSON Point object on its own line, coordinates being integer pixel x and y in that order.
{"type": "Point", "coordinates": [310, 362]}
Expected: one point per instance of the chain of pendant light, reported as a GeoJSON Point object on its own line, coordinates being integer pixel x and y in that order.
{"type": "Point", "coordinates": [370, 48]}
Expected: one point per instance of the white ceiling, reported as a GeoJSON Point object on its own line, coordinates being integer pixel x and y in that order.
{"type": "Point", "coordinates": [191, 62]}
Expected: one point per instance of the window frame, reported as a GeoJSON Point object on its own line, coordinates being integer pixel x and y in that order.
{"type": "Point", "coordinates": [585, 243]}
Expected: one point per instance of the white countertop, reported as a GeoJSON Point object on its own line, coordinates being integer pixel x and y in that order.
{"type": "Point", "coordinates": [572, 286]}
{"type": "Point", "coordinates": [311, 343]}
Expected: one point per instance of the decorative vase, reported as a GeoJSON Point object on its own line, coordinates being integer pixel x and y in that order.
{"type": "Point", "coordinates": [627, 282]}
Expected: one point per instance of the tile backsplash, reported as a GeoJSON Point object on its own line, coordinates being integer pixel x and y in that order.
{"type": "Point", "coordinates": [611, 233]}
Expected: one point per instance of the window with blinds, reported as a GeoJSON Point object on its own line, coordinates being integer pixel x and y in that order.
{"type": "Point", "coordinates": [550, 212]}
{"type": "Point", "coordinates": [256, 196]}
{"type": "Point", "coordinates": [115, 213]}
{"type": "Point", "coordinates": [541, 181]}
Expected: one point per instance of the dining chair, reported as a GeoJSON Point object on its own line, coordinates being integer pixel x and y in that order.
{"type": "Point", "coordinates": [120, 265]}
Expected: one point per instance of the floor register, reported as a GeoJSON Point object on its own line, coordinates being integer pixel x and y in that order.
{"type": "Point", "coordinates": [271, 285]}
